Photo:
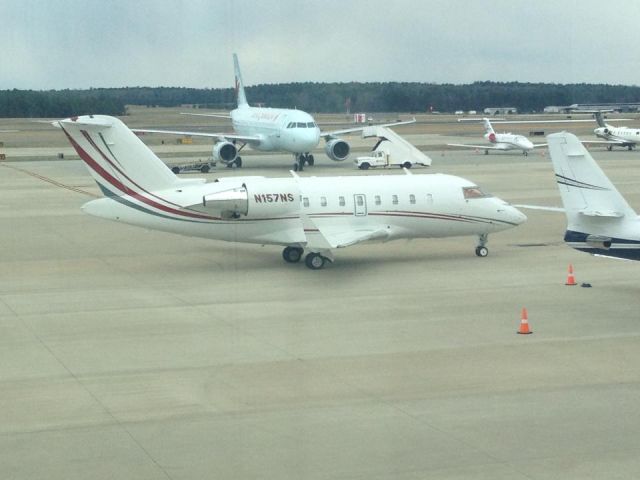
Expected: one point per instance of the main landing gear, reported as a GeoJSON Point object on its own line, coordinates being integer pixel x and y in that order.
{"type": "Point", "coordinates": [313, 260]}
{"type": "Point", "coordinates": [237, 163]}
{"type": "Point", "coordinates": [481, 250]}
{"type": "Point", "coordinates": [301, 159]}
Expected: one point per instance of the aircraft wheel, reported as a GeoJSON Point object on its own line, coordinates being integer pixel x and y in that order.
{"type": "Point", "coordinates": [204, 169]}
{"type": "Point", "coordinates": [406, 165]}
{"type": "Point", "coordinates": [292, 254]}
{"type": "Point", "coordinates": [175, 170]}
{"type": "Point", "coordinates": [630, 147]}
{"type": "Point", "coordinates": [314, 261]}
{"type": "Point", "coordinates": [238, 162]}
{"type": "Point", "coordinates": [310, 160]}
{"type": "Point", "coordinates": [364, 166]}
{"type": "Point", "coordinates": [231, 164]}
{"type": "Point", "coordinates": [482, 251]}
{"type": "Point", "coordinates": [609, 147]}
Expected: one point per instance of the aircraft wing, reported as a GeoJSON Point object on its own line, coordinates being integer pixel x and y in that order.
{"type": "Point", "coordinates": [216, 115]}
{"type": "Point", "coordinates": [328, 237]}
{"type": "Point", "coordinates": [541, 207]}
{"type": "Point", "coordinates": [607, 142]}
{"type": "Point", "coordinates": [485, 147]}
{"type": "Point", "coordinates": [334, 133]}
{"type": "Point", "coordinates": [220, 136]}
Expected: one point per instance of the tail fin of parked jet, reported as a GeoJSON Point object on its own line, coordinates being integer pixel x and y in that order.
{"type": "Point", "coordinates": [117, 159]}
{"type": "Point", "coordinates": [241, 97]}
{"type": "Point", "coordinates": [600, 119]}
{"type": "Point", "coordinates": [490, 134]}
{"type": "Point", "coordinates": [599, 219]}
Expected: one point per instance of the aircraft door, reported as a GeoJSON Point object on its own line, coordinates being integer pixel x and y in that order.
{"type": "Point", "coordinates": [360, 205]}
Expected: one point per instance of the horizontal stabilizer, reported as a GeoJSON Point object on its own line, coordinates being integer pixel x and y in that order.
{"type": "Point", "coordinates": [601, 213]}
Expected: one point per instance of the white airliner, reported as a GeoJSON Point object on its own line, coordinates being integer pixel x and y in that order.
{"type": "Point", "coordinates": [622, 136]}
{"type": "Point", "coordinates": [313, 215]}
{"type": "Point", "coordinates": [271, 130]}
{"type": "Point", "coordinates": [599, 219]}
{"type": "Point", "coordinates": [502, 141]}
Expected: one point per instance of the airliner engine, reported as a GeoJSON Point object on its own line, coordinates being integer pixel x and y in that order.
{"type": "Point", "coordinates": [225, 152]}
{"type": "Point", "coordinates": [337, 149]}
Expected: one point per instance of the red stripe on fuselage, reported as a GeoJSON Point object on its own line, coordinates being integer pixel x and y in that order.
{"type": "Point", "coordinates": [120, 186]}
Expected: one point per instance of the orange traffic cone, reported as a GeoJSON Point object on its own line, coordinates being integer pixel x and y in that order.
{"type": "Point", "coordinates": [571, 280]}
{"type": "Point", "coordinates": [524, 323]}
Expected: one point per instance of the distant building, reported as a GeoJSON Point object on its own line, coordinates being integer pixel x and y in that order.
{"type": "Point", "coordinates": [576, 107]}
{"type": "Point", "coordinates": [500, 110]}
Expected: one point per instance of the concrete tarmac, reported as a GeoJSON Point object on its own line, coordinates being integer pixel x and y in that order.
{"type": "Point", "coordinates": [127, 353]}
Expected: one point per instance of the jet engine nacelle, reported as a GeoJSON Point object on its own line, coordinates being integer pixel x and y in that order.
{"type": "Point", "coordinates": [599, 241]}
{"type": "Point", "coordinates": [256, 198]}
{"type": "Point", "coordinates": [337, 149]}
{"type": "Point", "coordinates": [225, 152]}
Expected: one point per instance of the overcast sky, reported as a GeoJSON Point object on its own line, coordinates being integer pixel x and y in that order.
{"type": "Point", "coordinates": [58, 44]}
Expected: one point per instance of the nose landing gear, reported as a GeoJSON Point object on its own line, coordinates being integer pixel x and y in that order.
{"type": "Point", "coordinates": [481, 249]}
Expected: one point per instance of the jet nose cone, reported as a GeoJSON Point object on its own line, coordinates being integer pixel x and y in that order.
{"type": "Point", "coordinates": [517, 216]}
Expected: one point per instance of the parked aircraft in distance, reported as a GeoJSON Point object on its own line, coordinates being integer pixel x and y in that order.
{"type": "Point", "coordinates": [502, 141]}
{"type": "Point", "coordinates": [599, 219]}
{"type": "Point", "coordinates": [313, 215]}
{"type": "Point", "coordinates": [271, 130]}
{"type": "Point", "coordinates": [622, 136]}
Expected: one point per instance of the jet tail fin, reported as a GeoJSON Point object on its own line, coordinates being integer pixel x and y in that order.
{"type": "Point", "coordinates": [117, 159]}
{"type": "Point", "coordinates": [240, 95]}
{"type": "Point", "coordinates": [589, 197]}
{"type": "Point", "coordinates": [487, 126]}
{"type": "Point", "coordinates": [600, 119]}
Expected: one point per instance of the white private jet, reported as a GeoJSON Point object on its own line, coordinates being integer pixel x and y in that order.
{"type": "Point", "coordinates": [502, 141]}
{"type": "Point", "coordinates": [271, 130]}
{"type": "Point", "coordinates": [316, 215]}
{"type": "Point", "coordinates": [599, 219]}
{"type": "Point", "coordinates": [622, 136]}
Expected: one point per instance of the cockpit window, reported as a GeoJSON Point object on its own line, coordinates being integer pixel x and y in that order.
{"type": "Point", "coordinates": [301, 125]}
{"type": "Point", "coordinates": [473, 192]}
{"type": "Point", "coordinates": [291, 124]}
{"type": "Point", "coordinates": [311, 125]}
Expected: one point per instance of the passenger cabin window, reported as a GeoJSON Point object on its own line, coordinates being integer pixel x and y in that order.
{"type": "Point", "coordinates": [378, 200]}
{"type": "Point", "coordinates": [394, 199]}
{"type": "Point", "coordinates": [341, 201]}
{"type": "Point", "coordinates": [305, 201]}
{"type": "Point", "coordinates": [473, 192]}
{"type": "Point", "coordinates": [412, 199]}
{"type": "Point", "coordinates": [323, 201]}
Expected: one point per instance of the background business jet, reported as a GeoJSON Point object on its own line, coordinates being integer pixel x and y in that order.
{"type": "Point", "coordinates": [501, 141]}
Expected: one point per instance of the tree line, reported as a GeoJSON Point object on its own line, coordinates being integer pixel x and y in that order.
{"type": "Point", "coordinates": [318, 97]}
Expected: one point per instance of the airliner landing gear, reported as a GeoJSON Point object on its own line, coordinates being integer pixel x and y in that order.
{"type": "Point", "coordinates": [609, 147]}
{"type": "Point", "coordinates": [630, 147]}
{"type": "Point", "coordinates": [481, 250]}
{"type": "Point", "coordinates": [525, 153]}
{"type": "Point", "coordinates": [292, 254]}
{"type": "Point", "coordinates": [315, 261]}
{"type": "Point", "coordinates": [301, 159]}
{"type": "Point", "coordinates": [237, 163]}
{"type": "Point", "coordinates": [486, 152]}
